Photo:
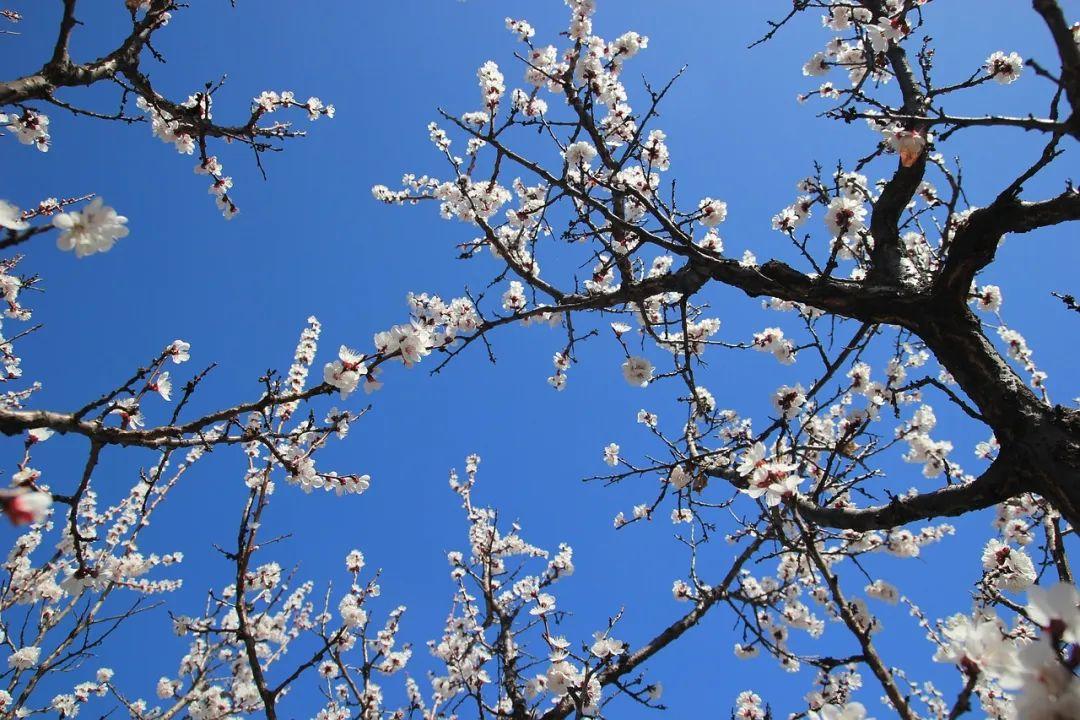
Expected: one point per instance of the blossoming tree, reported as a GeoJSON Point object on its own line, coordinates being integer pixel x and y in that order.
{"type": "Point", "coordinates": [879, 307]}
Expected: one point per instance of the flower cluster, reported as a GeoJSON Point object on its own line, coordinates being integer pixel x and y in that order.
{"type": "Point", "coordinates": [771, 477]}
{"type": "Point", "coordinates": [94, 229]}
{"type": "Point", "coordinates": [187, 125]}
{"type": "Point", "coordinates": [1003, 68]}
{"type": "Point", "coordinates": [772, 340]}
{"type": "Point", "coordinates": [1041, 670]}
{"type": "Point", "coordinates": [29, 128]}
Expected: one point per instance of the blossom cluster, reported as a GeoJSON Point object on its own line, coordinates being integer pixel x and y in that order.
{"type": "Point", "coordinates": [30, 128]}
{"type": "Point", "coordinates": [1041, 669]}
{"type": "Point", "coordinates": [186, 125]}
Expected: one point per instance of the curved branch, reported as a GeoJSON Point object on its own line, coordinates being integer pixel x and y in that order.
{"type": "Point", "coordinates": [998, 483]}
{"type": "Point", "coordinates": [60, 72]}
{"type": "Point", "coordinates": [1069, 53]}
{"type": "Point", "coordinates": [976, 242]}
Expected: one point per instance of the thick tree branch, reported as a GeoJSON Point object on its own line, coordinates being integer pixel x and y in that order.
{"type": "Point", "coordinates": [60, 72]}
{"type": "Point", "coordinates": [1000, 482]}
{"type": "Point", "coordinates": [976, 241]}
{"type": "Point", "coordinates": [67, 24]}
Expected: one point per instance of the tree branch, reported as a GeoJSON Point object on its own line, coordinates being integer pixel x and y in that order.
{"type": "Point", "coordinates": [998, 483]}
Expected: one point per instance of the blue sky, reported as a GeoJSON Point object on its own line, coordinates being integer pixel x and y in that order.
{"type": "Point", "coordinates": [311, 241]}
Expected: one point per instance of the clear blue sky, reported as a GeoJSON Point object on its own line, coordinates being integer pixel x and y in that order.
{"type": "Point", "coordinates": [312, 241]}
